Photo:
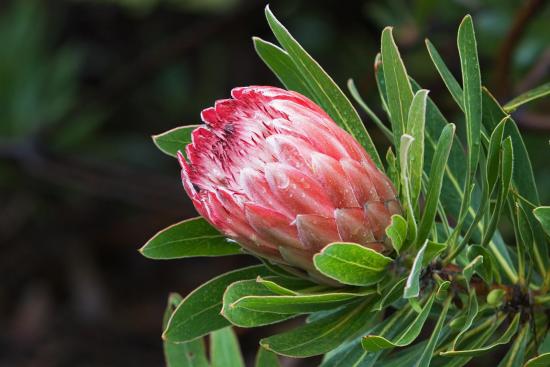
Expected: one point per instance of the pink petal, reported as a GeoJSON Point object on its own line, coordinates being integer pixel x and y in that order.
{"type": "Point", "coordinates": [299, 258]}
{"type": "Point", "coordinates": [331, 175]}
{"type": "Point", "coordinates": [383, 185]}
{"type": "Point", "coordinates": [360, 181]}
{"type": "Point", "coordinates": [271, 225]}
{"type": "Point", "coordinates": [353, 226]}
{"type": "Point", "coordinates": [297, 191]}
{"type": "Point", "coordinates": [379, 218]}
{"type": "Point", "coordinates": [291, 150]}
{"type": "Point", "coordinates": [257, 190]}
{"type": "Point", "coordinates": [315, 231]}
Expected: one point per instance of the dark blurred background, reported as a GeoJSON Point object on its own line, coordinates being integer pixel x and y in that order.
{"type": "Point", "coordinates": [85, 83]}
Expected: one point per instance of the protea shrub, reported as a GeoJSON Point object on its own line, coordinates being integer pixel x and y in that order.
{"type": "Point", "coordinates": [396, 263]}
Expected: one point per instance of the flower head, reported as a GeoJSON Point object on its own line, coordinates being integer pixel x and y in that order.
{"type": "Point", "coordinates": [271, 170]}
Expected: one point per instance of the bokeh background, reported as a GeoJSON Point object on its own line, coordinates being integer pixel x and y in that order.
{"type": "Point", "coordinates": [85, 83]}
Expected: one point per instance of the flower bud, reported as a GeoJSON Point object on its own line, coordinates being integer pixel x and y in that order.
{"type": "Point", "coordinates": [272, 171]}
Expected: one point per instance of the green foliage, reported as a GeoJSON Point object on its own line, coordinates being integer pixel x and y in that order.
{"type": "Point", "coordinates": [351, 263]}
{"type": "Point", "coordinates": [450, 264]}
{"type": "Point", "coordinates": [189, 238]}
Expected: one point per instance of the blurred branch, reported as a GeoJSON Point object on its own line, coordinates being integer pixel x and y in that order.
{"type": "Point", "coordinates": [511, 41]}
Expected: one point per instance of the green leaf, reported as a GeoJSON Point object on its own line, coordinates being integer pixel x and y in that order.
{"type": "Point", "coordinates": [246, 317]}
{"type": "Point", "coordinates": [265, 358]}
{"type": "Point", "coordinates": [353, 354]}
{"type": "Point", "coordinates": [397, 231]}
{"type": "Point", "coordinates": [327, 93]}
{"type": "Point", "coordinates": [291, 304]}
{"type": "Point", "coordinates": [533, 94]}
{"type": "Point", "coordinates": [503, 339]}
{"type": "Point", "coordinates": [389, 297]}
{"type": "Point", "coordinates": [282, 66]}
{"type": "Point", "coordinates": [471, 313]}
{"type": "Point", "coordinates": [516, 354]}
{"type": "Point", "coordinates": [199, 313]}
{"type": "Point", "coordinates": [285, 286]}
{"type": "Point", "coordinates": [192, 237]}
{"type": "Point", "coordinates": [224, 349]}
{"type": "Point", "coordinates": [416, 122]}
{"type": "Point", "coordinates": [523, 172]}
{"type": "Point", "coordinates": [322, 335]}
{"type": "Point", "coordinates": [468, 270]}
{"type": "Point", "coordinates": [488, 269]}
{"type": "Point", "coordinates": [172, 141]}
{"type": "Point", "coordinates": [412, 287]}
{"type": "Point", "coordinates": [435, 182]}
{"type": "Point", "coordinates": [471, 82]}
{"type": "Point", "coordinates": [190, 354]}
{"type": "Point", "coordinates": [433, 249]}
{"type": "Point", "coordinates": [375, 343]}
{"type": "Point", "coordinates": [450, 81]}
{"type": "Point", "coordinates": [541, 361]}
{"type": "Point", "coordinates": [351, 263]}
{"type": "Point", "coordinates": [542, 214]}
{"type": "Point", "coordinates": [404, 149]}
{"type": "Point", "coordinates": [427, 353]}
{"type": "Point", "coordinates": [495, 142]}
{"type": "Point", "coordinates": [398, 88]}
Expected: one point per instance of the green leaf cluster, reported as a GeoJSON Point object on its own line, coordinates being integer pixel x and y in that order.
{"type": "Point", "coordinates": [451, 290]}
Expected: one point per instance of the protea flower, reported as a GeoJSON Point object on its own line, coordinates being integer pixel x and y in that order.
{"type": "Point", "coordinates": [272, 171]}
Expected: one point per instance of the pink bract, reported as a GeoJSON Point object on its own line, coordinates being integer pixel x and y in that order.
{"type": "Point", "coordinates": [272, 171]}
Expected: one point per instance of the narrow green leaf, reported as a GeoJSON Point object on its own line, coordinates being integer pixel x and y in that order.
{"type": "Point", "coordinates": [435, 182]}
{"type": "Point", "coordinates": [523, 173]}
{"type": "Point", "coordinates": [189, 238]}
{"type": "Point", "coordinates": [224, 349]}
{"type": "Point", "coordinates": [450, 81]}
{"type": "Point", "coordinates": [265, 358]}
{"type": "Point", "coordinates": [471, 82]}
{"type": "Point", "coordinates": [295, 304]}
{"type": "Point", "coordinates": [375, 343]}
{"type": "Point", "coordinates": [397, 231]}
{"type": "Point", "coordinates": [503, 339]}
{"type": "Point", "coordinates": [533, 94]}
{"type": "Point", "coordinates": [427, 353]}
{"type": "Point", "coordinates": [488, 270]}
{"type": "Point", "coordinates": [433, 249]}
{"type": "Point", "coordinates": [495, 142]}
{"type": "Point", "coordinates": [285, 286]}
{"type": "Point", "coordinates": [247, 317]}
{"type": "Point", "coordinates": [404, 149]}
{"type": "Point", "coordinates": [416, 122]}
{"type": "Point", "coordinates": [282, 66]}
{"type": "Point", "coordinates": [542, 214]}
{"type": "Point", "coordinates": [516, 354]}
{"type": "Point", "coordinates": [471, 313]}
{"type": "Point", "coordinates": [199, 313]}
{"type": "Point", "coordinates": [412, 287]}
{"type": "Point", "coordinates": [541, 361]}
{"type": "Point", "coordinates": [389, 297]}
{"type": "Point", "coordinates": [506, 173]}
{"type": "Point", "coordinates": [172, 141]}
{"type": "Point", "coordinates": [351, 263]}
{"type": "Point", "coordinates": [352, 353]}
{"type": "Point", "coordinates": [322, 335]}
{"type": "Point", "coordinates": [190, 354]}
{"type": "Point", "coordinates": [326, 91]}
{"type": "Point", "coordinates": [398, 88]}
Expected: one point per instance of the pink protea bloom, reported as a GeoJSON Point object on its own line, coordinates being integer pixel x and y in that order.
{"type": "Point", "coordinates": [272, 171]}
